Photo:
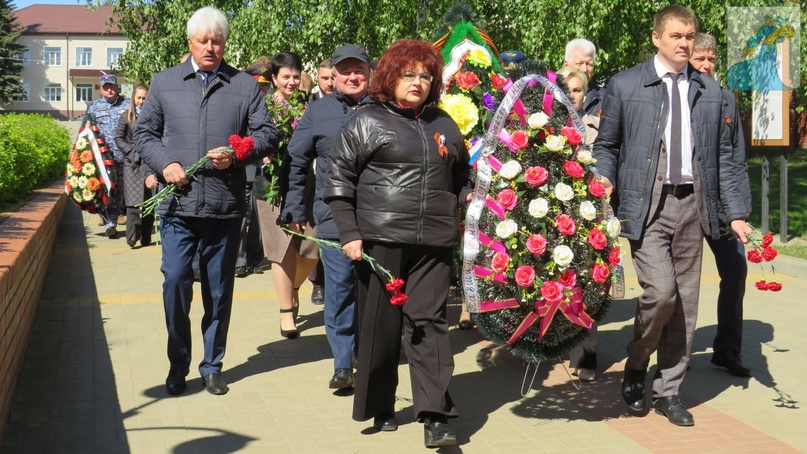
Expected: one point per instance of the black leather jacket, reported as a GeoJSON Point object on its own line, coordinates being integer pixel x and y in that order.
{"type": "Point", "coordinates": [388, 181]}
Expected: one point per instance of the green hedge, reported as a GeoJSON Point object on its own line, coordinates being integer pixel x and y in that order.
{"type": "Point", "coordinates": [33, 153]}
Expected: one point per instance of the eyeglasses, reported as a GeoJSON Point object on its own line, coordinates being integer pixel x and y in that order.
{"type": "Point", "coordinates": [425, 78]}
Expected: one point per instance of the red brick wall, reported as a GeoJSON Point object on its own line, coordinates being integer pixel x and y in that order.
{"type": "Point", "coordinates": [26, 242]}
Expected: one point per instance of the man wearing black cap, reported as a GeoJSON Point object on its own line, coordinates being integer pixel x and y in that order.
{"type": "Point", "coordinates": [106, 112]}
{"type": "Point", "coordinates": [311, 141]}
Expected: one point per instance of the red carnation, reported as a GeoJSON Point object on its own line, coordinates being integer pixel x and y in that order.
{"type": "Point", "coordinates": [597, 239]}
{"type": "Point", "coordinates": [536, 244]}
{"type": "Point", "coordinates": [769, 253]}
{"type": "Point", "coordinates": [767, 239]}
{"type": "Point", "coordinates": [568, 279]}
{"type": "Point", "coordinates": [754, 256]}
{"type": "Point", "coordinates": [398, 299]}
{"type": "Point", "coordinates": [600, 272]}
{"type": "Point", "coordinates": [536, 176]}
{"type": "Point", "coordinates": [552, 291]}
{"type": "Point", "coordinates": [573, 169]}
{"type": "Point", "coordinates": [395, 284]}
{"type": "Point", "coordinates": [242, 146]}
{"type": "Point", "coordinates": [497, 81]}
{"type": "Point", "coordinates": [596, 189]}
{"type": "Point", "coordinates": [467, 80]}
{"type": "Point", "coordinates": [774, 286]}
{"type": "Point", "coordinates": [507, 198]}
{"type": "Point", "coordinates": [525, 276]}
{"type": "Point", "coordinates": [572, 136]}
{"type": "Point", "coordinates": [565, 224]}
{"type": "Point", "coordinates": [761, 285]}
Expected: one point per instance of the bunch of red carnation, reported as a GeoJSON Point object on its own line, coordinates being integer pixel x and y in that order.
{"type": "Point", "coordinates": [764, 252]}
{"type": "Point", "coordinates": [398, 297]}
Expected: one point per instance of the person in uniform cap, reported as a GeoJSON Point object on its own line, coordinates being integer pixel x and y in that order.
{"type": "Point", "coordinates": [262, 72]}
{"type": "Point", "coordinates": [106, 112]}
{"type": "Point", "coordinates": [511, 57]}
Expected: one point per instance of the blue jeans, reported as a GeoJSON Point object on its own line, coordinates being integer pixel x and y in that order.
{"type": "Point", "coordinates": [217, 243]}
{"type": "Point", "coordinates": [340, 306]}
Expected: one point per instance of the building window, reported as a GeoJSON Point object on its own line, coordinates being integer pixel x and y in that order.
{"type": "Point", "coordinates": [112, 56]}
{"type": "Point", "coordinates": [84, 92]}
{"type": "Point", "coordinates": [26, 88]}
{"type": "Point", "coordinates": [53, 56]}
{"type": "Point", "coordinates": [52, 93]}
{"type": "Point", "coordinates": [24, 57]}
{"type": "Point", "coordinates": [84, 56]}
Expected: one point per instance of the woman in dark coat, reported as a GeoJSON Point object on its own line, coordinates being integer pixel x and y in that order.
{"type": "Point", "coordinates": [398, 172]}
{"type": "Point", "coordinates": [138, 179]}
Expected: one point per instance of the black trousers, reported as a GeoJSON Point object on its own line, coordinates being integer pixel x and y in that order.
{"type": "Point", "coordinates": [733, 270]}
{"type": "Point", "coordinates": [584, 356]}
{"type": "Point", "coordinates": [422, 319]}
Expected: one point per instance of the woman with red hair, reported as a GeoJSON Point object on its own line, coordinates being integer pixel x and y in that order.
{"type": "Point", "coordinates": [398, 173]}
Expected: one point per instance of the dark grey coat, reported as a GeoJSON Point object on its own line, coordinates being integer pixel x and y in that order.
{"type": "Point", "coordinates": [182, 120]}
{"type": "Point", "coordinates": [627, 149]}
{"type": "Point", "coordinates": [135, 170]}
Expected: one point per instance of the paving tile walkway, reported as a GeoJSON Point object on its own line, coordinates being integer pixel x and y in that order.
{"type": "Point", "coordinates": [93, 376]}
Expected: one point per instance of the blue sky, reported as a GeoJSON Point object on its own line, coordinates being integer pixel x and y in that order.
{"type": "Point", "coordinates": [23, 3]}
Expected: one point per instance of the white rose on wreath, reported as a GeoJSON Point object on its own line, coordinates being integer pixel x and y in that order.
{"type": "Point", "coordinates": [538, 208]}
{"type": "Point", "coordinates": [585, 157]}
{"type": "Point", "coordinates": [538, 120]}
{"type": "Point", "coordinates": [506, 228]}
{"type": "Point", "coordinates": [555, 143]}
{"type": "Point", "coordinates": [613, 227]}
{"type": "Point", "coordinates": [563, 256]}
{"type": "Point", "coordinates": [564, 192]}
{"type": "Point", "coordinates": [588, 211]}
{"type": "Point", "coordinates": [510, 170]}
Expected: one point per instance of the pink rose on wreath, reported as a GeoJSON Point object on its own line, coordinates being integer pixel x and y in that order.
{"type": "Point", "coordinates": [568, 279]}
{"type": "Point", "coordinates": [614, 257]}
{"type": "Point", "coordinates": [769, 254]}
{"type": "Point", "coordinates": [572, 136]}
{"type": "Point", "coordinates": [754, 256]}
{"type": "Point", "coordinates": [573, 169]}
{"type": "Point", "coordinates": [565, 224]}
{"type": "Point", "coordinates": [520, 139]}
{"type": "Point", "coordinates": [507, 198]}
{"type": "Point", "coordinates": [600, 272]}
{"type": "Point", "coordinates": [596, 189]}
{"type": "Point", "coordinates": [597, 239]}
{"type": "Point", "coordinates": [552, 291]}
{"type": "Point", "coordinates": [525, 276]}
{"type": "Point", "coordinates": [499, 262]}
{"type": "Point", "coordinates": [536, 244]}
{"type": "Point", "coordinates": [536, 175]}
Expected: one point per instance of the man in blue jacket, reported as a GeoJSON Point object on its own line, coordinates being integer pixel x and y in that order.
{"type": "Point", "coordinates": [664, 147]}
{"type": "Point", "coordinates": [311, 142]}
{"type": "Point", "coordinates": [192, 110]}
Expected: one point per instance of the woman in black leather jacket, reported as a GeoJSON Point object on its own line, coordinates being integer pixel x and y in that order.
{"type": "Point", "coordinates": [396, 176]}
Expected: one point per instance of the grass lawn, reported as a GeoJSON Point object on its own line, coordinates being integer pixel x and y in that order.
{"type": "Point", "coordinates": [796, 195]}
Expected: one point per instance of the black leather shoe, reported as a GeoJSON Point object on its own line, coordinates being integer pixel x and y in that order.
{"type": "Point", "coordinates": [215, 384]}
{"type": "Point", "coordinates": [633, 389]}
{"type": "Point", "coordinates": [175, 383]}
{"type": "Point", "coordinates": [436, 432]}
{"type": "Point", "coordinates": [731, 362]}
{"type": "Point", "coordinates": [242, 271]}
{"type": "Point", "coordinates": [671, 407]}
{"type": "Point", "coordinates": [342, 379]}
{"type": "Point", "coordinates": [385, 422]}
{"type": "Point", "coordinates": [318, 296]}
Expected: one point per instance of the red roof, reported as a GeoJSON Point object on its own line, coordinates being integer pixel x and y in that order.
{"type": "Point", "coordinates": [60, 19]}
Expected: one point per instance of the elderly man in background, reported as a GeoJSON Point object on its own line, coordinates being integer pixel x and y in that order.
{"type": "Point", "coordinates": [193, 109]}
{"type": "Point", "coordinates": [729, 253]}
{"type": "Point", "coordinates": [106, 112]}
{"type": "Point", "coordinates": [312, 141]}
{"type": "Point", "coordinates": [581, 54]}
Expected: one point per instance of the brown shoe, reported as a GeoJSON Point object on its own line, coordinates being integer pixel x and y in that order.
{"type": "Point", "coordinates": [121, 220]}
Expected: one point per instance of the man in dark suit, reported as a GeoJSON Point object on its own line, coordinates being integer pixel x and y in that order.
{"type": "Point", "coordinates": [729, 253]}
{"type": "Point", "coordinates": [192, 110]}
{"type": "Point", "coordinates": [664, 148]}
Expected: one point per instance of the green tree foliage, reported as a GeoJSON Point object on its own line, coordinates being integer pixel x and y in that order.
{"type": "Point", "coordinates": [10, 63]}
{"type": "Point", "coordinates": [621, 29]}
